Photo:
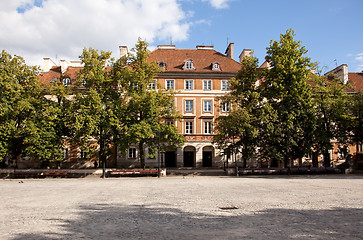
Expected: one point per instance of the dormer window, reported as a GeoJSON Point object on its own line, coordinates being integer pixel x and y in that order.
{"type": "Point", "coordinates": [66, 81]}
{"type": "Point", "coordinates": [188, 65]}
{"type": "Point", "coordinates": [162, 65]}
{"type": "Point", "coordinates": [216, 66]}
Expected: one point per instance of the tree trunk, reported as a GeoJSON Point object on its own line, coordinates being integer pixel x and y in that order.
{"type": "Point", "coordinates": [315, 159]}
{"type": "Point", "coordinates": [141, 155]}
{"type": "Point", "coordinates": [326, 158]}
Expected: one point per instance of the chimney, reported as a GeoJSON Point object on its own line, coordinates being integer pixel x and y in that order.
{"type": "Point", "coordinates": [64, 65]}
{"type": "Point", "coordinates": [230, 50]}
{"type": "Point", "coordinates": [48, 64]}
{"type": "Point", "coordinates": [166, 46]}
{"type": "Point", "coordinates": [340, 72]}
{"type": "Point", "coordinates": [123, 51]}
{"type": "Point", "coordinates": [202, 47]}
{"type": "Point", "coordinates": [245, 52]}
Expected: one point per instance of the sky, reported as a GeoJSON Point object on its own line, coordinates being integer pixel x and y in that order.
{"type": "Point", "coordinates": [331, 30]}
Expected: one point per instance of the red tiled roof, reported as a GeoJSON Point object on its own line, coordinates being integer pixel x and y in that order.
{"type": "Point", "coordinates": [356, 81]}
{"type": "Point", "coordinates": [202, 60]}
{"type": "Point", "coordinates": [53, 73]}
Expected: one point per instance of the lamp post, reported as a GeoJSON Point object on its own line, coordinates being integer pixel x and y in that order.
{"type": "Point", "coordinates": [159, 157]}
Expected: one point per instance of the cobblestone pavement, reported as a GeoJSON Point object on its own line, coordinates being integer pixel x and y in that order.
{"type": "Point", "coordinates": [271, 207]}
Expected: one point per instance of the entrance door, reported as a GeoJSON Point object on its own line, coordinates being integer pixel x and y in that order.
{"type": "Point", "coordinates": [188, 159]}
{"type": "Point", "coordinates": [207, 158]}
{"type": "Point", "coordinates": [170, 160]}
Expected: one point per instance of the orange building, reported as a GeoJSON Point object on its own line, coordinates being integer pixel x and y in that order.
{"type": "Point", "coordinates": [198, 77]}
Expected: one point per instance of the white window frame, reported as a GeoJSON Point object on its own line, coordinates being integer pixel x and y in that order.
{"type": "Point", "coordinates": [189, 127]}
{"type": "Point", "coordinates": [207, 85]}
{"type": "Point", "coordinates": [66, 81]}
{"type": "Point", "coordinates": [131, 152]}
{"type": "Point", "coordinates": [189, 107]}
{"type": "Point", "coordinates": [189, 65]}
{"type": "Point", "coordinates": [170, 84]}
{"type": "Point", "coordinates": [226, 107]}
{"type": "Point", "coordinates": [208, 125]}
{"type": "Point", "coordinates": [152, 85]}
{"type": "Point", "coordinates": [225, 85]}
{"type": "Point", "coordinates": [189, 84]}
{"type": "Point", "coordinates": [207, 105]}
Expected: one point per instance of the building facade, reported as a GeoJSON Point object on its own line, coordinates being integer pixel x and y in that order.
{"type": "Point", "coordinates": [199, 77]}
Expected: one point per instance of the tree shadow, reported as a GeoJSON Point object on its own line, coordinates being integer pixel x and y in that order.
{"type": "Point", "coordinates": [146, 222]}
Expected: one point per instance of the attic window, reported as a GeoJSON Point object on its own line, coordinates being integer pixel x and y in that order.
{"type": "Point", "coordinates": [188, 65]}
{"type": "Point", "coordinates": [216, 66]}
{"type": "Point", "coordinates": [162, 65]}
{"type": "Point", "coordinates": [66, 81]}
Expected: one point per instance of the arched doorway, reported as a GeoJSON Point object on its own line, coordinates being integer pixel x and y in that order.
{"type": "Point", "coordinates": [189, 156]}
{"type": "Point", "coordinates": [208, 155]}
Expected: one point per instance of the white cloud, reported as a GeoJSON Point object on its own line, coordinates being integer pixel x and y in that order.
{"type": "Point", "coordinates": [64, 27]}
{"type": "Point", "coordinates": [218, 4]}
{"type": "Point", "coordinates": [359, 58]}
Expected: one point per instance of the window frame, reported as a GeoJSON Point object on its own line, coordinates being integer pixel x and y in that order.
{"type": "Point", "coordinates": [207, 106]}
{"type": "Point", "coordinates": [66, 81]}
{"type": "Point", "coordinates": [207, 83]}
{"type": "Point", "coordinates": [167, 81]}
{"type": "Point", "coordinates": [208, 127]}
{"type": "Point", "coordinates": [225, 107]}
{"type": "Point", "coordinates": [189, 84]}
{"type": "Point", "coordinates": [189, 108]}
{"type": "Point", "coordinates": [131, 153]}
{"type": "Point", "coordinates": [225, 85]}
{"type": "Point", "coordinates": [189, 127]}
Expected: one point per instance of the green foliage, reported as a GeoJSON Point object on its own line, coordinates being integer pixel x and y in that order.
{"type": "Point", "coordinates": [333, 114]}
{"type": "Point", "coordinates": [93, 108]}
{"type": "Point", "coordinates": [289, 95]}
{"type": "Point", "coordinates": [241, 127]}
{"type": "Point", "coordinates": [27, 117]}
{"type": "Point", "coordinates": [145, 110]}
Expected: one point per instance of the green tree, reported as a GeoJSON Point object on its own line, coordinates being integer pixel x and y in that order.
{"type": "Point", "coordinates": [357, 121]}
{"type": "Point", "coordinates": [27, 117]}
{"type": "Point", "coordinates": [146, 111]}
{"type": "Point", "coordinates": [242, 124]}
{"type": "Point", "coordinates": [289, 95]}
{"type": "Point", "coordinates": [93, 112]}
{"type": "Point", "coordinates": [334, 117]}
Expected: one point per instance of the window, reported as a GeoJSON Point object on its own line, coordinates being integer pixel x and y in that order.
{"type": "Point", "coordinates": [215, 67]}
{"type": "Point", "coordinates": [66, 81]}
{"type": "Point", "coordinates": [169, 122]}
{"type": "Point", "coordinates": [207, 106]}
{"type": "Point", "coordinates": [207, 85]}
{"type": "Point", "coordinates": [152, 85]}
{"type": "Point", "coordinates": [208, 127]}
{"type": "Point", "coordinates": [162, 65]}
{"type": "Point", "coordinates": [132, 152]}
{"type": "Point", "coordinates": [188, 65]}
{"type": "Point", "coordinates": [170, 84]}
{"type": "Point", "coordinates": [225, 107]}
{"type": "Point", "coordinates": [83, 154]}
{"type": "Point", "coordinates": [189, 84]}
{"type": "Point", "coordinates": [189, 105]}
{"type": "Point", "coordinates": [189, 127]}
{"type": "Point", "coordinates": [225, 85]}
{"type": "Point", "coordinates": [65, 153]}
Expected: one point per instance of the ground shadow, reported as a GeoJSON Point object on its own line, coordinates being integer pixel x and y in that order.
{"type": "Point", "coordinates": [148, 222]}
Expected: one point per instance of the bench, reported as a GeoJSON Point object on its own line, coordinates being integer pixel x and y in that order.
{"type": "Point", "coordinates": [132, 172]}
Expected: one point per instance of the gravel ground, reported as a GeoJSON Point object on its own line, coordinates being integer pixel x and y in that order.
{"type": "Point", "coordinates": [271, 207]}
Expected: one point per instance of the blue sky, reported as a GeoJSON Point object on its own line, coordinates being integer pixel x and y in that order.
{"type": "Point", "coordinates": [331, 30]}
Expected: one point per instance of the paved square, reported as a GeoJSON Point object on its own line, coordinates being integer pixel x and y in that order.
{"type": "Point", "coordinates": [272, 207]}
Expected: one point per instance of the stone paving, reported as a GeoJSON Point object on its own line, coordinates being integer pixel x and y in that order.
{"type": "Point", "coordinates": [270, 207]}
